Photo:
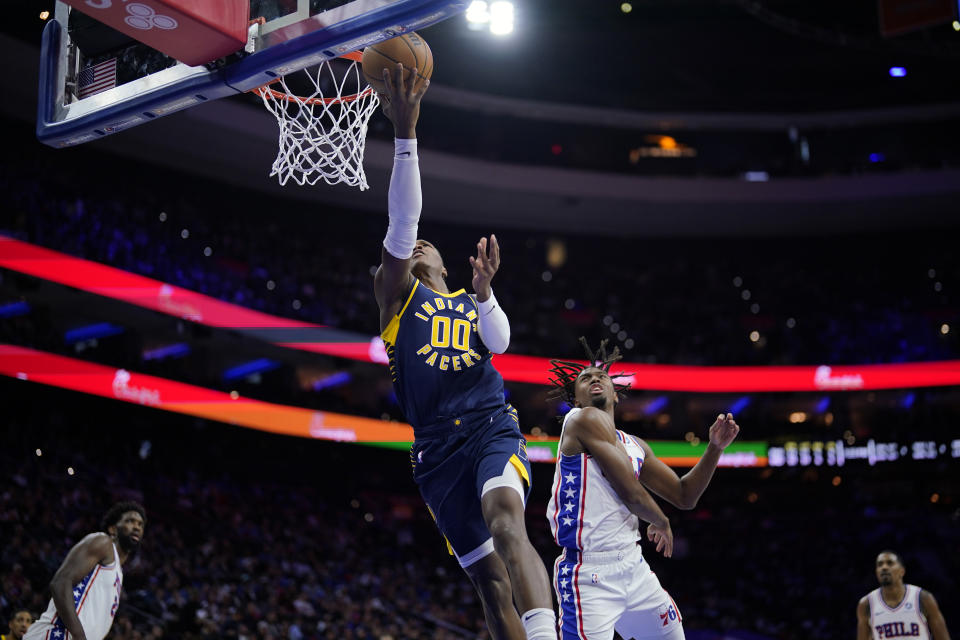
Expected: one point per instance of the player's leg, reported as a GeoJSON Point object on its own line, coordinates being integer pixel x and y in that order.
{"type": "Point", "coordinates": [504, 483]}
{"type": "Point", "coordinates": [503, 513]}
{"type": "Point", "coordinates": [443, 470]}
{"type": "Point", "coordinates": [589, 607]}
{"type": "Point", "coordinates": [491, 580]}
{"type": "Point", "coordinates": [651, 624]}
{"type": "Point", "coordinates": [651, 612]}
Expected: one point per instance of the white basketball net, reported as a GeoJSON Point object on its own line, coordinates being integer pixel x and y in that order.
{"type": "Point", "coordinates": [323, 134]}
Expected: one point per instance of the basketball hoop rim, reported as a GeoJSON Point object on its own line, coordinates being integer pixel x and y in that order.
{"type": "Point", "coordinates": [266, 92]}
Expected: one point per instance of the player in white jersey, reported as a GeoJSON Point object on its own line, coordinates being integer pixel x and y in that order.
{"type": "Point", "coordinates": [601, 579]}
{"type": "Point", "coordinates": [86, 588]}
{"type": "Point", "coordinates": [898, 610]}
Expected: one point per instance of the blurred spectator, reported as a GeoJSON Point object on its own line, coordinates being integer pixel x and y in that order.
{"type": "Point", "coordinates": [732, 301]}
{"type": "Point", "coordinates": [20, 621]}
{"type": "Point", "coordinates": [260, 536]}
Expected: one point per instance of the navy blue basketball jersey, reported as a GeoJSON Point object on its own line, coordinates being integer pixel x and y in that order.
{"type": "Point", "coordinates": [439, 365]}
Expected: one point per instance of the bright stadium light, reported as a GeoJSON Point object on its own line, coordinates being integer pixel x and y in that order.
{"type": "Point", "coordinates": [898, 72]}
{"type": "Point", "coordinates": [478, 14]}
{"type": "Point", "coordinates": [501, 18]}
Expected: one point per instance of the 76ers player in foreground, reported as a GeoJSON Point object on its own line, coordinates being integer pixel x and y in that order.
{"type": "Point", "coordinates": [469, 457]}
{"type": "Point", "coordinates": [599, 492]}
{"type": "Point", "coordinates": [86, 588]}
{"type": "Point", "coordinates": [898, 610]}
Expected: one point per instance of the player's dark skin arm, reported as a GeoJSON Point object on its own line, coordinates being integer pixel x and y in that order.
{"type": "Point", "coordinates": [402, 105]}
{"type": "Point", "coordinates": [863, 619]}
{"type": "Point", "coordinates": [592, 430]}
{"type": "Point", "coordinates": [930, 608]}
{"type": "Point", "coordinates": [83, 557]}
{"type": "Point", "coordinates": [684, 492]}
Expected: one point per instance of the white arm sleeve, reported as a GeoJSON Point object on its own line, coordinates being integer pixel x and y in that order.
{"type": "Point", "coordinates": [404, 201]}
{"type": "Point", "coordinates": [492, 325]}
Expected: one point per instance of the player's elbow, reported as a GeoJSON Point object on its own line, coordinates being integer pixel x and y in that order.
{"type": "Point", "coordinates": [498, 348]}
{"type": "Point", "coordinates": [493, 326]}
{"type": "Point", "coordinates": [59, 584]}
{"type": "Point", "coordinates": [496, 343]}
{"type": "Point", "coordinates": [686, 497]}
{"type": "Point", "coordinates": [684, 502]}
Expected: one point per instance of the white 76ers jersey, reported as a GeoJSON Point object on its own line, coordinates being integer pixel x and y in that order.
{"type": "Point", "coordinates": [906, 620]}
{"type": "Point", "coordinates": [585, 512]}
{"type": "Point", "coordinates": [95, 599]}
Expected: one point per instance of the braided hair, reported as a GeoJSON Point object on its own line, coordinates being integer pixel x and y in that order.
{"type": "Point", "coordinates": [565, 373]}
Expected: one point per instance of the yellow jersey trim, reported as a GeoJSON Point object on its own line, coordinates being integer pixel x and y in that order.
{"type": "Point", "coordinates": [446, 295]}
{"type": "Point", "coordinates": [449, 546]}
{"type": "Point", "coordinates": [389, 335]}
{"type": "Point", "coordinates": [522, 470]}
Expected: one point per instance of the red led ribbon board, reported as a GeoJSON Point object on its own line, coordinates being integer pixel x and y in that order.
{"type": "Point", "coordinates": [94, 277]}
{"type": "Point", "coordinates": [192, 31]}
{"type": "Point", "coordinates": [151, 391]}
{"type": "Point", "coordinates": [662, 377]}
{"type": "Point", "coordinates": [153, 294]}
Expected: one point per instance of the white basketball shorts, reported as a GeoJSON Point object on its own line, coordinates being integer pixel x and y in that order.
{"type": "Point", "coordinates": [600, 592]}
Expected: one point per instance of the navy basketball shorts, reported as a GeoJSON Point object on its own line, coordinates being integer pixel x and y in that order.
{"type": "Point", "coordinates": [454, 460]}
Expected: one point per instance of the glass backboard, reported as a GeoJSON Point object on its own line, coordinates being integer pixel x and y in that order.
{"type": "Point", "coordinates": [95, 81]}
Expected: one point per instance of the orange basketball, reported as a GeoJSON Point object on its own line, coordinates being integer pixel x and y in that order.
{"type": "Point", "coordinates": [410, 50]}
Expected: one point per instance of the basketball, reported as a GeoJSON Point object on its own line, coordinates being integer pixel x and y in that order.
{"type": "Point", "coordinates": [410, 50]}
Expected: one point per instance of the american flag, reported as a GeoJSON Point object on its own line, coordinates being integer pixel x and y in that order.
{"type": "Point", "coordinates": [97, 78]}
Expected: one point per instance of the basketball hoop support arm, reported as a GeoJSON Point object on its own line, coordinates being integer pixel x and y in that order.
{"type": "Point", "coordinates": [63, 124]}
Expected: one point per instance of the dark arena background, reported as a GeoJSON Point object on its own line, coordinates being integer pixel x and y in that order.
{"type": "Point", "coordinates": [756, 201]}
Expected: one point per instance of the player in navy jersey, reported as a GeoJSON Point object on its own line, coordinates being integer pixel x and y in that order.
{"type": "Point", "coordinates": [86, 588]}
{"type": "Point", "coordinates": [898, 610]}
{"type": "Point", "coordinates": [469, 458]}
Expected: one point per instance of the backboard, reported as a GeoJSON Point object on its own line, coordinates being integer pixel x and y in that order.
{"type": "Point", "coordinates": [95, 80]}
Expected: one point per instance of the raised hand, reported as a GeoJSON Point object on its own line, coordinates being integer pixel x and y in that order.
{"type": "Point", "coordinates": [723, 431]}
{"type": "Point", "coordinates": [663, 537]}
{"type": "Point", "coordinates": [484, 266]}
{"type": "Point", "coordinates": [401, 103]}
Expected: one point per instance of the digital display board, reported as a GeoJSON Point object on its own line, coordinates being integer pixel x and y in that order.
{"type": "Point", "coordinates": [836, 453]}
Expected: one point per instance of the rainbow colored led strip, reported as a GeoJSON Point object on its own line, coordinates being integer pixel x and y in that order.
{"type": "Point", "coordinates": [159, 393]}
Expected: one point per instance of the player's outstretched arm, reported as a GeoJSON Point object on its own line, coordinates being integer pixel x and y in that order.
{"type": "Point", "coordinates": [594, 430]}
{"type": "Point", "coordinates": [492, 323]}
{"type": "Point", "coordinates": [94, 549]}
{"type": "Point", "coordinates": [401, 103]}
{"type": "Point", "coordinates": [684, 492]}
{"type": "Point", "coordinates": [863, 619]}
{"type": "Point", "coordinates": [938, 626]}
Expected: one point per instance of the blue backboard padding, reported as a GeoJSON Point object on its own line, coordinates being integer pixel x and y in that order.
{"type": "Point", "coordinates": [243, 75]}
